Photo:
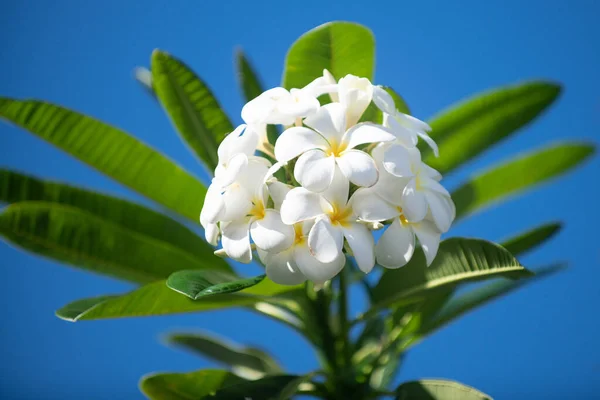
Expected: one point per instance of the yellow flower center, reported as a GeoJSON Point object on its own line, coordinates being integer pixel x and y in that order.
{"type": "Point", "coordinates": [340, 215]}
{"type": "Point", "coordinates": [299, 236]}
{"type": "Point", "coordinates": [402, 218]}
{"type": "Point", "coordinates": [335, 148]}
{"type": "Point", "coordinates": [258, 209]}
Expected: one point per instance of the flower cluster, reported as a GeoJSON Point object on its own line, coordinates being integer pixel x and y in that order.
{"type": "Point", "coordinates": [303, 226]}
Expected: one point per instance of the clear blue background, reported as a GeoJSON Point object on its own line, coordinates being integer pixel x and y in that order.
{"type": "Point", "coordinates": [541, 342]}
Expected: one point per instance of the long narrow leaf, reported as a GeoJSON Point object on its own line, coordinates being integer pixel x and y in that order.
{"type": "Point", "coordinates": [438, 389]}
{"type": "Point", "coordinates": [517, 175]}
{"type": "Point", "coordinates": [187, 386]}
{"type": "Point", "coordinates": [192, 107]}
{"type": "Point", "coordinates": [79, 238]}
{"type": "Point", "coordinates": [529, 240]}
{"type": "Point", "coordinates": [110, 151]}
{"type": "Point", "coordinates": [197, 284]}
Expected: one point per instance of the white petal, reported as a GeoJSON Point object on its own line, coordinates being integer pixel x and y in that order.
{"type": "Point", "coordinates": [430, 172]}
{"type": "Point", "coordinates": [259, 109]}
{"type": "Point", "coordinates": [236, 240]}
{"type": "Point", "coordinates": [390, 187]}
{"type": "Point", "coordinates": [356, 94]}
{"type": "Point", "coordinates": [315, 270]}
{"type": "Point", "coordinates": [278, 191]}
{"type": "Point", "coordinates": [383, 100]}
{"type": "Point", "coordinates": [228, 145]}
{"type": "Point", "coordinates": [271, 234]}
{"type": "Point", "coordinates": [414, 204]}
{"type": "Point", "coordinates": [367, 132]}
{"type": "Point", "coordinates": [281, 268]}
{"type": "Point", "coordinates": [227, 175]}
{"type": "Point", "coordinates": [405, 136]}
{"type": "Point", "coordinates": [429, 238]}
{"type": "Point", "coordinates": [314, 170]}
{"type": "Point", "coordinates": [329, 121]}
{"type": "Point", "coordinates": [299, 205]}
{"type": "Point", "coordinates": [214, 205]}
{"type": "Point", "coordinates": [300, 103]}
{"type": "Point", "coordinates": [432, 185]}
{"type": "Point", "coordinates": [362, 244]}
{"type": "Point", "coordinates": [412, 123]}
{"type": "Point", "coordinates": [368, 206]}
{"type": "Point", "coordinates": [396, 246]}
{"type": "Point", "coordinates": [337, 193]}
{"type": "Point", "coordinates": [238, 202]}
{"type": "Point", "coordinates": [325, 240]}
{"type": "Point", "coordinates": [358, 167]}
{"type": "Point", "coordinates": [211, 233]}
{"type": "Point", "coordinates": [430, 142]}
{"type": "Point", "coordinates": [295, 141]}
{"type": "Point", "coordinates": [441, 210]}
{"type": "Point", "coordinates": [397, 161]}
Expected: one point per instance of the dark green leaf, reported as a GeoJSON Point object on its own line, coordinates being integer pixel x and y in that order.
{"type": "Point", "coordinates": [111, 151]}
{"type": "Point", "coordinates": [458, 261]}
{"type": "Point", "coordinates": [518, 174]}
{"type": "Point", "coordinates": [243, 360]}
{"type": "Point", "coordinates": [267, 388]}
{"type": "Point", "coordinates": [374, 114]}
{"type": "Point", "coordinates": [469, 128]}
{"type": "Point", "coordinates": [157, 299]}
{"type": "Point", "coordinates": [340, 47]}
{"type": "Point", "coordinates": [191, 106]}
{"type": "Point", "coordinates": [16, 187]}
{"type": "Point", "coordinates": [438, 389]}
{"type": "Point", "coordinates": [186, 386]}
{"type": "Point", "coordinates": [532, 238]}
{"type": "Point", "coordinates": [77, 237]}
{"type": "Point", "coordinates": [198, 284]}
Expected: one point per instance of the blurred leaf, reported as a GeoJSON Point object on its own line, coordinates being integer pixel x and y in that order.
{"type": "Point", "coordinates": [16, 187]}
{"type": "Point", "coordinates": [186, 386]}
{"type": "Point", "coordinates": [157, 299]}
{"type": "Point", "coordinates": [374, 114]}
{"type": "Point", "coordinates": [438, 389]}
{"type": "Point", "coordinates": [293, 386]}
{"type": "Point", "coordinates": [144, 77]}
{"type": "Point", "coordinates": [192, 107]}
{"type": "Point", "coordinates": [251, 86]}
{"type": "Point", "coordinates": [341, 47]}
{"type": "Point", "coordinates": [243, 360]}
{"type": "Point", "coordinates": [469, 128]}
{"type": "Point", "coordinates": [198, 284]}
{"type": "Point", "coordinates": [458, 261]}
{"type": "Point", "coordinates": [79, 238]}
{"type": "Point", "coordinates": [531, 238]}
{"type": "Point", "coordinates": [518, 174]}
{"type": "Point", "coordinates": [110, 151]}
{"type": "Point", "coordinates": [475, 298]}
{"type": "Point", "coordinates": [267, 388]}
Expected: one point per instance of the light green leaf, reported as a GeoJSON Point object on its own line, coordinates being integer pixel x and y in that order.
{"type": "Point", "coordinates": [158, 299]}
{"type": "Point", "coordinates": [532, 238]}
{"type": "Point", "coordinates": [198, 284]}
{"type": "Point", "coordinates": [438, 389]}
{"type": "Point", "coordinates": [469, 128]}
{"type": "Point", "coordinates": [244, 361]}
{"type": "Point", "coordinates": [458, 261]}
{"type": "Point", "coordinates": [16, 187]}
{"type": "Point", "coordinates": [79, 238]}
{"type": "Point", "coordinates": [340, 47]}
{"type": "Point", "coordinates": [374, 114]}
{"type": "Point", "coordinates": [110, 151]}
{"type": "Point", "coordinates": [186, 386]}
{"type": "Point", "coordinates": [518, 174]}
{"type": "Point", "coordinates": [192, 107]}
{"type": "Point", "coordinates": [267, 388]}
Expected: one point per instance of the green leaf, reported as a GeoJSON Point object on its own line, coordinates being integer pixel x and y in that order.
{"type": "Point", "coordinates": [16, 187]}
{"type": "Point", "coordinates": [267, 388]}
{"type": "Point", "coordinates": [198, 284]}
{"type": "Point", "coordinates": [469, 128]}
{"type": "Point", "coordinates": [438, 389]}
{"type": "Point", "coordinates": [374, 114]}
{"type": "Point", "coordinates": [251, 86]}
{"type": "Point", "coordinates": [340, 47]}
{"type": "Point", "coordinates": [158, 299]}
{"type": "Point", "coordinates": [518, 174]}
{"type": "Point", "coordinates": [110, 151]}
{"type": "Point", "coordinates": [244, 361]}
{"type": "Point", "coordinates": [458, 261]}
{"type": "Point", "coordinates": [79, 238]}
{"type": "Point", "coordinates": [475, 298]}
{"type": "Point", "coordinates": [186, 386]}
{"type": "Point", "coordinates": [531, 238]}
{"type": "Point", "coordinates": [192, 107]}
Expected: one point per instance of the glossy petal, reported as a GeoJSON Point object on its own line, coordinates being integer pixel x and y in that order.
{"type": "Point", "coordinates": [295, 141]}
{"type": "Point", "coordinates": [429, 238]}
{"type": "Point", "coordinates": [230, 173]}
{"type": "Point", "coordinates": [236, 240]}
{"type": "Point", "coordinates": [362, 244]}
{"type": "Point", "coordinates": [299, 103]}
{"type": "Point", "coordinates": [238, 202]}
{"type": "Point", "coordinates": [278, 191]}
{"type": "Point", "coordinates": [337, 193]}
{"type": "Point", "coordinates": [356, 94]}
{"type": "Point", "coordinates": [441, 209]}
{"type": "Point", "coordinates": [430, 142]}
{"type": "Point", "coordinates": [315, 270]}
{"type": "Point", "coordinates": [358, 167]}
{"type": "Point", "coordinates": [433, 185]}
{"type": "Point", "coordinates": [299, 205]}
{"type": "Point", "coordinates": [396, 246]}
{"type": "Point", "coordinates": [329, 121]}
{"type": "Point", "coordinates": [325, 240]}
{"type": "Point", "coordinates": [211, 233]}
{"type": "Point", "coordinates": [270, 233]}
{"type": "Point", "coordinates": [383, 100]}
{"type": "Point", "coordinates": [414, 204]}
{"type": "Point", "coordinates": [405, 136]}
{"type": "Point", "coordinates": [214, 205]}
{"type": "Point", "coordinates": [398, 161]}
{"type": "Point", "coordinates": [314, 170]}
{"type": "Point", "coordinates": [241, 141]}
{"type": "Point", "coordinates": [281, 268]}
{"type": "Point", "coordinates": [367, 132]}
{"type": "Point", "coordinates": [369, 206]}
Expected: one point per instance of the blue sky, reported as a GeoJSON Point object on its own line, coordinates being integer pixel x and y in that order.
{"type": "Point", "coordinates": [539, 342]}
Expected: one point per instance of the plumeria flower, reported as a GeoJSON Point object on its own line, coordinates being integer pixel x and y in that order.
{"type": "Point", "coordinates": [396, 246]}
{"type": "Point", "coordinates": [234, 152]}
{"type": "Point", "coordinates": [328, 144]}
{"type": "Point", "coordinates": [280, 106]}
{"type": "Point", "coordinates": [334, 220]}
{"type": "Point", "coordinates": [420, 190]}
{"type": "Point", "coordinates": [323, 84]}
{"type": "Point", "coordinates": [356, 94]}
{"type": "Point", "coordinates": [408, 129]}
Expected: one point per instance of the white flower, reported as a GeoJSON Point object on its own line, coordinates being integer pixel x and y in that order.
{"type": "Point", "coordinates": [334, 221]}
{"type": "Point", "coordinates": [280, 106]}
{"type": "Point", "coordinates": [323, 84]}
{"type": "Point", "coordinates": [356, 94]}
{"type": "Point", "coordinates": [330, 144]}
{"type": "Point", "coordinates": [421, 191]}
{"type": "Point", "coordinates": [407, 128]}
